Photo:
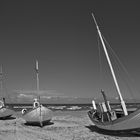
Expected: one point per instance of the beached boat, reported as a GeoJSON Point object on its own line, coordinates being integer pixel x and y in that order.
{"type": "Point", "coordinates": [5, 111]}
{"type": "Point", "coordinates": [38, 114]}
{"type": "Point", "coordinates": [106, 118]}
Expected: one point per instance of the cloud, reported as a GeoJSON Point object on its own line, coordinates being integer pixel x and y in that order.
{"type": "Point", "coordinates": [33, 93]}
{"type": "Point", "coordinates": [25, 96]}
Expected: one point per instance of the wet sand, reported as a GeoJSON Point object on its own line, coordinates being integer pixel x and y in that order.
{"type": "Point", "coordinates": [65, 125]}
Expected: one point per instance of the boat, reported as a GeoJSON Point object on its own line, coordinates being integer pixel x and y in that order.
{"type": "Point", "coordinates": [5, 111]}
{"type": "Point", "coordinates": [105, 118]}
{"type": "Point", "coordinates": [38, 114]}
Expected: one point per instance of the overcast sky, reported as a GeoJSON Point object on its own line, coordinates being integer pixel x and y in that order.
{"type": "Point", "coordinates": [63, 37]}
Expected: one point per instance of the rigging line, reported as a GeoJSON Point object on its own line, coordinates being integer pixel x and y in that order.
{"type": "Point", "coordinates": [118, 60]}
{"type": "Point", "coordinates": [124, 69]}
{"type": "Point", "coordinates": [123, 79]}
{"type": "Point", "coordinates": [116, 56]}
{"type": "Point", "coordinates": [3, 87]}
{"type": "Point", "coordinates": [100, 63]}
{"type": "Point", "coordinates": [100, 60]}
{"type": "Point", "coordinates": [1, 80]}
{"type": "Point", "coordinates": [125, 82]}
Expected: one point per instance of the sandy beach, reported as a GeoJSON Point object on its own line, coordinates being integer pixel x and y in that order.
{"type": "Point", "coordinates": [65, 125]}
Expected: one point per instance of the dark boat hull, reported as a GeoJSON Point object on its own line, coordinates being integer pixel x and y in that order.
{"type": "Point", "coordinates": [6, 113]}
{"type": "Point", "coordinates": [125, 123]}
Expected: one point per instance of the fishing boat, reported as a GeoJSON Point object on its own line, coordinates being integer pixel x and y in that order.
{"type": "Point", "coordinates": [5, 111]}
{"type": "Point", "coordinates": [106, 118]}
{"type": "Point", "coordinates": [39, 114]}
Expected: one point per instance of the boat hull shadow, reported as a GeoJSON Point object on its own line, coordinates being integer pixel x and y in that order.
{"type": "Point", "coordinates": [44, 123]}
{"type": "Point", "coordinates": [126, 133]}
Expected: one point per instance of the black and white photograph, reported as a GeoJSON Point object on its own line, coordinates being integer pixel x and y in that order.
{"type": "Point", "coordinates": [70, 70]}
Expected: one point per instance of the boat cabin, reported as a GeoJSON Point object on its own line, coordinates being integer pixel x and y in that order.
{"type": "Point", "coordinates": [36, 103]}
{"type": "Point", "coordinates": [103, 112]}
{"type": "Point", "coordinates": [2, 102]}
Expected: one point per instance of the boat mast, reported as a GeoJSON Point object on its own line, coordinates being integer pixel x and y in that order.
{"type": "Point", "coordinates": [111, 68]}
{"type": "Point", "coordinates": [1, 80]}
{"type": "Point", "coordinates": [37, 79]}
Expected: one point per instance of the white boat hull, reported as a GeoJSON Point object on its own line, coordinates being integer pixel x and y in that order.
{"type": "Point", "coordinates": [5, 112]}
{"type": "Point", "coordinates": [38, 115]}
{"type": "Point", "coordinates": [125, 123]}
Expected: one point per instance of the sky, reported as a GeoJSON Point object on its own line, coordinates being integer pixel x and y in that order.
{"type": "Point", "coordinates": [62, 36]}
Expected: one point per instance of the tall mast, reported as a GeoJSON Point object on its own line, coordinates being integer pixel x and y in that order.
{"type": "Point", "coordinates": [111, 68]}
{"type": "Point", "coordinates": [37, 79]}
{"type": "Point", "coordinates": [37, 83]}
{"type": "Point", "coordinates": [1, 80]}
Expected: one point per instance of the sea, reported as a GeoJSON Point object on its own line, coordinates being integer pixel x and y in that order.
{"type": "Point", "coordinates": [71, 107]}
{"type": "Point", "coordinates": [54, 107]}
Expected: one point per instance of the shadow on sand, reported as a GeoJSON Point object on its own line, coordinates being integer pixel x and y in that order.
{"type": "Point", "coordinates": [7, 118]}
{"type": "Point", "coordinates": [38, 124]}
{"type": "Point", "coordinates": [133, 133]}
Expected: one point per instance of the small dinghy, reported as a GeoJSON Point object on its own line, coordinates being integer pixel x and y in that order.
{"type": "Point", "coordinates": [39, 114]}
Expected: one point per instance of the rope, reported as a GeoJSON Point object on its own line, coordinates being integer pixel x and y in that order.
{"type": "Point", "coordinates": [123, 68]}
{"type": "Point", "coordinates": [100, 61]}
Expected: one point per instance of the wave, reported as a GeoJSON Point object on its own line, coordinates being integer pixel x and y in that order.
{"type": "Point", "coordinates": [56, 107]}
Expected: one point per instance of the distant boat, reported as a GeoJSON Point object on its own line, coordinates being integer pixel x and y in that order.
{"type": "Point", "coordinates": [5, 111]}
{"type": "Point", "coordinates": [38, 114]}
{"type": "Point", "coordinates": [104, 117]}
